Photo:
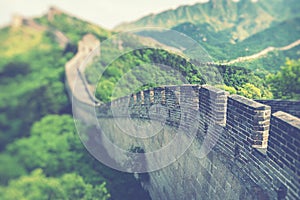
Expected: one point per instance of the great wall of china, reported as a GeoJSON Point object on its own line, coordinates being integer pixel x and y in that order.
{"type": "Point", "coordinates": [256, 153]}
{"type": "Point", "coordinates": [18, 21]}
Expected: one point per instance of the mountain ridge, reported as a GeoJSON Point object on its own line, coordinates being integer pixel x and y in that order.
{"type": "Point", "coordinates": [244, 17]}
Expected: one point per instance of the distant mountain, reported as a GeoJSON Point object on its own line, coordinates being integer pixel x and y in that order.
{"type": "Point", "coordinates": [74, 28]}
{"type": "Point", "coordinates": [229, 30]}
{"type": "Point", "coordinates": [32, 57]}
{"type": "Point", "coordinates": [46, 32]}
{"type": "Point", "coordinates": [272, 61]}
{"type": "Point", "coordinates": [277, 35]}
{"type": "Point", "coordinates": [241, 19]}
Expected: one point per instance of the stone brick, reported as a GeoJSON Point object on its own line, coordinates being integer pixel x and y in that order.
{"type": "Point", "coordinates": [248, 123]}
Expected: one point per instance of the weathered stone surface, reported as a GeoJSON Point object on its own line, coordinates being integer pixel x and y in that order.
{"type": "Point", "coordinates": [255, 155]}
{"type": "Point", "coordinates": [290, 106]}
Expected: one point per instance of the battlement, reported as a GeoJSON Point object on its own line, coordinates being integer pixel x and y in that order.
{"type": "Point", "coordinates": [259, 145]}
{"type": "Point", "coordinates": [242, 116]}
{"type": "Point", "coordinates": [19, 21]}
{"type": "Point", "coordinates": [52, 12]}
{"type": "Point", "coordinates": [88, 43]}
{"type": "Point", "coordinates": [267, 145]}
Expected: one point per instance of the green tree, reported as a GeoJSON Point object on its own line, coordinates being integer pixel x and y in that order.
{"type": "Point", "coordinates": [9, 168]}
{"type": "Point", "coordinates": [229, 89]}
{"type": "Point", "coordinates": [37, 186]}
{"type": "Point", "coordinates": [285, 84]}
{"type": "Point", "coordinates": [104, 90]}
{"type": "Point", "coordinates": [250, 91]}
{"type": "Point", "coordinates": [53, 146]}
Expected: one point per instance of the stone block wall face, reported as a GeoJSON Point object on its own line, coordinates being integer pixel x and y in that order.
{"type": "Point", "coordinates": [248, 121]}
{"type": "Point", "coordinates": [74, 70]}
{"type": "Point", "coordinates": [213, 105]}
{"type": "Point", "coordinates": [172, 103]}
{"type": "Point", "coordinates": [290, 106]}
{"type": "Point", "coordinates": [158, 95]}
{"type": "Point", "coordinates": [284, 152]}
{"type": "Point", "coordinates": [241, 149]}
{"type": "Point", "coordinates": [262, 149]}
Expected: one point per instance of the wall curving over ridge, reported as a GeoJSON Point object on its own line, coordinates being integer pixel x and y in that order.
{"type": "Point", "coordinates": [242, 150]}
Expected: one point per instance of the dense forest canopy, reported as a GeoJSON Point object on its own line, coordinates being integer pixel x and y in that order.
{"type": "Point", "coordinates": [141, 66]}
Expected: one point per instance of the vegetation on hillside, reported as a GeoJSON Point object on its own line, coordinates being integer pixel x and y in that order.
{"type": "Point", "coordinates": [228, 30]}
{"type": "Point", "coordinates": [220, 47]}
{"type": "Point", "coordinates": [43, 155]}
{"type": "Point", "coordinates": [142, 69]}
{"type": "Point", "coordinates": [31, 83]}
{"type": "Point", "coordinates": [37, 186]}
{"type": "Point", "coordinates": [286, 83]}
{"type": "Point", "coordinates": [73, 27]}
{"type": "Point", "coordinates": [272, 61]}
{"type": "Point", "coordinates": [242, 19]}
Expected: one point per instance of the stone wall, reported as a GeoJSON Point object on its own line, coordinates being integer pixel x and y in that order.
{"type": "Point", "coordinates": [241, 150]}
{"type": "Point", "coordinates": [75, 79]}
{"type": "Point", "coordinates": [260, 150]}
{"type": "Point", "coordinates": [290, 106]}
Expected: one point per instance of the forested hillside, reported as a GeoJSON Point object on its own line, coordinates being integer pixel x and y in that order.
{"type": "Point", "coordinates": [242, 19]}
{"type": "Point", "coordinates": [278, 35]}
{"type": "Point", "coordinates": [138, 67]}
{"type": "Point", "coordinates": [39, 144]}
{"type": "Point", "coordinates": [229, 30]}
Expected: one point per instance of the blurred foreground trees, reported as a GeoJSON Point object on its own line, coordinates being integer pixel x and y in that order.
{"type": "Point", "coordinates": [37, 186]}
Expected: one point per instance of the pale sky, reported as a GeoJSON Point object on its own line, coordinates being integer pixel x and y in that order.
{"type": "Point", "coordinates": [106, 13]}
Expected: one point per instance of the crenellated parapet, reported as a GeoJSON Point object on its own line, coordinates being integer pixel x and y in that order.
{"type": "Point", "coordinates": [19, 21]}
{"type": "Point", "coordinates": [250, 140]}
{"type": "Point", "coordinates": [265, 146]}
{"type": "Point", "coordinates": [249, 121]}
{"type": "Point", "coordinates": [52, 12]}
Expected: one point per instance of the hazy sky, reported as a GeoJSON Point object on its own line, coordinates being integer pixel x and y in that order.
{"type": "Point", "coordinates": [107, 13]}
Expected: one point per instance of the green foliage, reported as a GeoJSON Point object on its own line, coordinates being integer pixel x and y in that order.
{"type": "Point", "coordinates": [31, 81]}
{"type": "Point", "coordinates": [9, 168]}
{"type": "Point", "coordinates": [135, 69]}
{"type": "Point", "coordinates": [49, 146]}
{"type": "Point", "coordinates": [229, 89]}
{"type": "Point", "coordinates": [104, 90]}
{"type": "Point", "coordinates": [285, 84]}
{"type": "Point", "coordinates": [37, 186]}
{"type": "Point", "coordinates": [225, 15]}
{"type": "Point", "coordinates": [54, 147]}
{"type": "Point", "coordinates": [19, 41]}
{"type": "Point", "coordinates": [250, 91]}
{"type": "Point", "coordinates": [73, 27]}
{"type": "Point", "coordinates": [14, 69]}
{"type": "Point", "coordinates": [244, 82]}
{"type": "Point", "coordinates": [123, 77]}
